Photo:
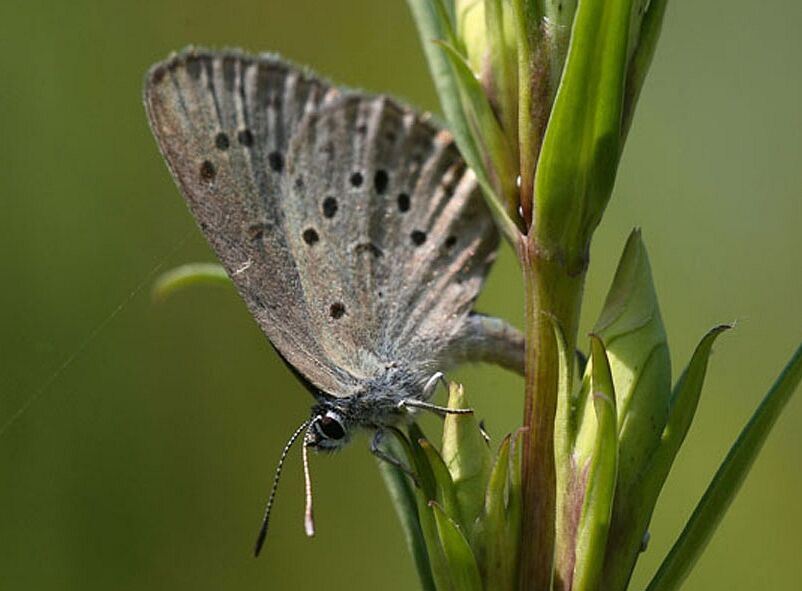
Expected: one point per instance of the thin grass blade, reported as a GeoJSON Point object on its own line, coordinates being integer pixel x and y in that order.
{"type": "Point", "coordinates": [188, 275]}
{"type": "Point", "coordinates": [727, 481]}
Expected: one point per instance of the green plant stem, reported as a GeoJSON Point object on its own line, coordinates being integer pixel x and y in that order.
{"type": "Point", "coordinates": [552, 294]}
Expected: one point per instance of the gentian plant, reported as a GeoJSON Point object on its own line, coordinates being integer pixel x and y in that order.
{"type": "Point", "coordinates": [540, 96]}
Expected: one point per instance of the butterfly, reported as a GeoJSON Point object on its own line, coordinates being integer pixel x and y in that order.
{"type": "Point", "coordinates": [350, 226]}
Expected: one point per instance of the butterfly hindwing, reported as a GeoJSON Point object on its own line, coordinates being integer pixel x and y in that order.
{"type": "Point", "coordinates": [388, 230]}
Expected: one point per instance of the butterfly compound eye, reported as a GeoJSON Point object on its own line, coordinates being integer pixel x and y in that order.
{"type": "Point", "coordinates": [331, 427]}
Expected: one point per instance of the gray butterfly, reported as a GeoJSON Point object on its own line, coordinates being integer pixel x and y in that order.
{"type": "Point", "coordinates": [350, 226]}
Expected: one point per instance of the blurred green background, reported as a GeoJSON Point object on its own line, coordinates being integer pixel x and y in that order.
{"type": "Point", "coordinates": [150, 432]}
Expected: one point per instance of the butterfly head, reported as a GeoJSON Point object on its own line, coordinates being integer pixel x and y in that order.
{"type": "Point", "coordinates": [329, 429]}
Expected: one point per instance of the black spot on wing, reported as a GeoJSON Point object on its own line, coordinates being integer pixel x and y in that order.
{"type": "Point", "coordinates": [337, 310]}
{"type": "Point", "coordinates": [221, 141]}
{"type": "Point", "coordinates": [207, 171]}
{"type": "Point", "coordinates": [310, 236]}
{"type": "Point", "coordinates": [418, 237]}
{"type": "Point", "coordinates": [380, 181]}
{"type": "Point", "coordinates": [403, 202]}
{"type": "Point", "coordinates": [276, 161]}
{"type": "Point", "coordinates": [329, 207]}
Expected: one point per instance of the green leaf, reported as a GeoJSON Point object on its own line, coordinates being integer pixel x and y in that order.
{"type": "Point", "coordinates": [188, 275]}
{"type": "Point", "coordinates": [559, 14]}
{"type": "Point", "coordinates": [441, 568]}
{"type": "Point", "coordinates": [405, 503]}
{"type": "Point", "coordinates": [497, 168]}
{"type": "Point", "coordinates": [502, 77]}
{"type": "Point", "coordinates": [582, 144]}
{"type": "Point", "coordinates": [515, 496]}
{"type": "Point", "coordinates": [462, 564]}
{"type": "Point", "coordinates": [636, 343]}
{"type": "Point", "coordinates": [650, 26]}
{"type": "Point", "coordinates": [532, 114]}
{"type": "Point", "coordinates": [632, 513]}
{"type": "Point", "coordinates": [597, 508]}
{"type": "Point", "coordinates": [420, 462]}
{"type": "Point", "coordinates": [467, 456]}
{"type": "Point", "coordinates": [632, 329]}
{"type": "Point", "coordinates": [432, 26]}
{"type": "Point", "coordinates": [471, 32]}
{"type": "Point", "coordinates": [564, 428]}
{"type": "Point", "coordinates": [727, 481]}
{"type": "Point", "coordinates": [424, 494]}
{"type": "Point", "coordinates": [444, 487]}
{"type": "Point", "coordinates": [631, 301]}
{"type": "Point", "coordinates": [446, 13]}
{"type": "Point", "coordinates": [685, 397]}
{"type": "Point", "coordinates": [514, 513]}
{"type": "Point", "coordinates": [495, 550]}
{"type": "Point", "coordinates": [570, 479]}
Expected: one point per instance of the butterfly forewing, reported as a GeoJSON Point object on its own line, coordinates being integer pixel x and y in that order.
{"type": "Point", "coordinates": [223, 121]}
{"type": "Point", "coordinates": [348, 223]}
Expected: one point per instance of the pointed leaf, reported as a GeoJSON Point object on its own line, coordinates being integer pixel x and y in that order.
{"type": "Point", "coordinates": [565, 421]}
{"type": "Point", "coordinates": [559, 16]}
{"type": "Point", "coordinates": [445, 493]}
{"type": "Point", "coordinates": [632, 328]}
{"type": "Point", "coordinates": [467, 456]}
{"type": "Point", "coordinates": [685, 397]}
{"type": "Point", "coordinates": [402, 495]}
{"type": "Point", "coordinates": [440, 566]}
{"type": "Point", "coordinates": [501, 79]}
{"type": "Point", "coordinates": [489, 540]}
{"type": "Point", "coordinates": [570, 480]}
{"type": "Point", "coordinates": [432, 27]}
{"type": "Point", "coordinates": [446, 15]}
{"type": "Point", "coordinates": [515, 498]}
{"type": "Point", "coordinates": [497, 167]}
{"type": "Point", "coordinates": [631, 515]}
{"type": "Point", "coordinates": [598, 504]}
{"type": "Point", "coordinates": [472, 33]}
{"type": "Point", "coordinates": [424, 494]}
{"type": "Point", "coordinates": [727, 481]}
{"type": "Point", "coordinates": [633, 331]}
{"type": "Point", "coordinates": [542, 30]}
{"type": "Point", "coordinates": [458, 553]}
{"type": "Point", "coordinates": [641, 59]}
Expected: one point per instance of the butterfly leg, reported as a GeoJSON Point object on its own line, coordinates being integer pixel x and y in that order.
{"type": "Point", "coordinates": [431, 384]}
{"type": "Point", "coordinates": [428, 391]}
{"type": "Point", "coordinates": [440, 410]}
{"type": "Point", "coordinates": [376, 450]}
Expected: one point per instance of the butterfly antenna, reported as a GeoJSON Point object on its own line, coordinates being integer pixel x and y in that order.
{"type": "Point", "coordinates": [260, 539]}
{"type": "Point", "coordinates": [309, 517]}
